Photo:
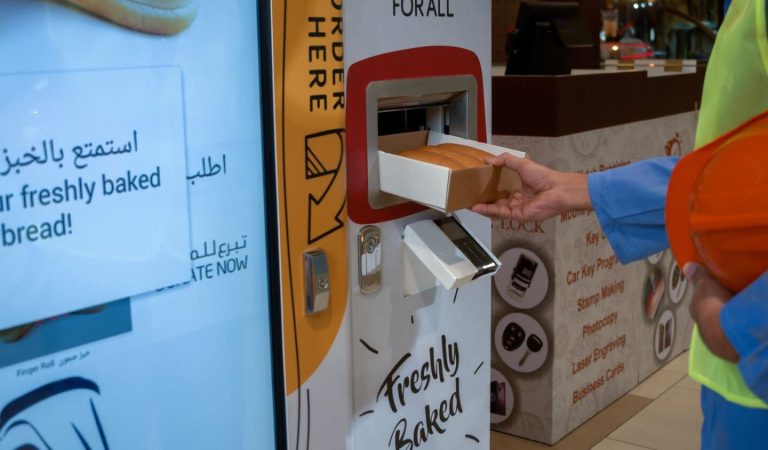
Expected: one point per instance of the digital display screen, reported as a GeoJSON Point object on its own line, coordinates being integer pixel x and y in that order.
{"type": "Point", "coordinates": [135, 309]}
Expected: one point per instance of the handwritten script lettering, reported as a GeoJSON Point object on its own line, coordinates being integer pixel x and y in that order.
{"type": "Point", "coordinates": [405, 381]}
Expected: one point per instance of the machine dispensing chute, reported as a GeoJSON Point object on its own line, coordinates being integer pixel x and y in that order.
{"type": "Point", "coordinates": [446, 104]}
{"type": "Point", "coordinates": [442, 252]}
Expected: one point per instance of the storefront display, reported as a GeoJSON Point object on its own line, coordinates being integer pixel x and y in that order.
{"type": "Point", "coordinates": [574, 329]}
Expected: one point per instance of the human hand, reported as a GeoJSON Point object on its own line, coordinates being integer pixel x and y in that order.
{"type": "Point", "coordinates": [709, 298]}
{"type": "Point", "coordinates": [544, 192]}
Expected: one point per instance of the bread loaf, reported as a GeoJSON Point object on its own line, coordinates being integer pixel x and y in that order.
{"type": "Point", "coordinates": [453, 156]}
{"type": "Point", "coordinates": [466, 160]}
{"type": "Point", "coordinates": [428, 155]}
{"type": "Point", "coordinates": [164, 17]}
{"type": "Point", "coordinates": [476, 153]}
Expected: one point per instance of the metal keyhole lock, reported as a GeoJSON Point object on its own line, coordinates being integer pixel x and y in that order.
{"type": "Point", "coordinates": [369, 259]}
{"type": "Point", "coordinates": [370, 245]}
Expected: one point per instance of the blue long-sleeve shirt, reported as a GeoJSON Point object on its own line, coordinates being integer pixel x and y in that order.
{"type": "Point", "coordinates": [629, 203]}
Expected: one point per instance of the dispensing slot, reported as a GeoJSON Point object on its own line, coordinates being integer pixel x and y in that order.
{"type": "Point", "coordinates": [426, 112]}
{"type": "Point", "coordinates": [369, 259]}
{"type": "Point", "coordinates": [444, 104]}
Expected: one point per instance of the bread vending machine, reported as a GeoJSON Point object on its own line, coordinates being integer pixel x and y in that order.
{"type": "Point", "coordinates": [418, 74]}
{"type": "Point", "coordinates": [385, 286]}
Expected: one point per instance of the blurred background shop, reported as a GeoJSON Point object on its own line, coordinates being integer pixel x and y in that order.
{"type": "Point", "coordinates": [584, 87]}
{"type": "Point", "coordinates": [629, 30]}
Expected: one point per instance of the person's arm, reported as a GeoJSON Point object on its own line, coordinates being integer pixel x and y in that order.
{"type": "Point", "coordinates": [628, 201]}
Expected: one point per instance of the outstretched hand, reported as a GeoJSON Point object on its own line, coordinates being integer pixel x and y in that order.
{"type": "Point", "coordinates": [544, 192]}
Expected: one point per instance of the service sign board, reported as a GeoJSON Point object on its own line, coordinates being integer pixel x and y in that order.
{"type": "Point", "coordinates": [574, 329]}
{"type": "Point", "coordinates": [421, 363]}
{"type": "Point", "coordinates": [132, 228]}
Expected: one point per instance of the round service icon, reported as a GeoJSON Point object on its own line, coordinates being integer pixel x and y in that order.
{"type": "Point", "coordinates": [523, 280]}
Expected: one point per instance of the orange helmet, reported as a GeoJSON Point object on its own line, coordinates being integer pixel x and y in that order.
{"type": "Point", "coordinates": [717, 206]}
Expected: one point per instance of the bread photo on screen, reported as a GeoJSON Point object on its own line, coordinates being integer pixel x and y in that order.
{"type": "Point", "coordinates": [162, 17]}
{"type": "Point", "coordinates": [15, 334]}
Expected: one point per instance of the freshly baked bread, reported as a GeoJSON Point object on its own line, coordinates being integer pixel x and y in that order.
{"type": "Point", "coordinates": [454, 156]}
{"type": "Point", "coordinates": [427, 154]}
{"type": "Point", "coordinates": [476, 153]}
{"type": "Point", "coordinates": [465, 159]}
{"type": "Point", "coordinates": [164, 17]}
